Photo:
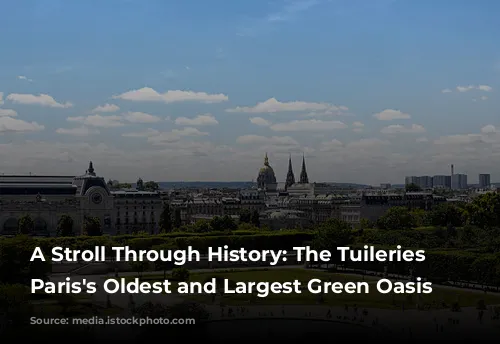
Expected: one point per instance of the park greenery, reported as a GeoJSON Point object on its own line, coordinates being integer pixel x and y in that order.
{"type": "Point", "coordinates": [461, 242]}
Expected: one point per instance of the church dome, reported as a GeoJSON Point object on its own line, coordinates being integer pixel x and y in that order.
{"type": "Point", "coordinates": [266, 175]}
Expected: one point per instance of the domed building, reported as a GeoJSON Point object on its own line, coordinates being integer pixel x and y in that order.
{"type": "Point", "coordinates": [266, 179]}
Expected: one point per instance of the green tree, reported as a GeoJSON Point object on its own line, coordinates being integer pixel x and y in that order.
{"type": "Point", "coordinates": [151, 186]}
{"type": "Point", "coordinates": [365, 224]}
{"type": "Point", "coordinates": [92, 226]}
{"type": "Point", "coordinates": [484, 211]}
{"type": "Point", "coordinates": [244, 226]}
{"type": "Point", "coordinates": [15, 265]}
{"type": "Point", "coordinates": [420, 217]}
{"type": "Point", "coordinates": [396, 218]}
{"type": "Point", "coordinates": [139, 185]}
{"type": "Point", "coordinates": [229, 224]}
{"type": "Point", "coordinates": [200, 226]}
{"type": "Point", "coordinates": [223, 224]}
{"type": "Point", "coordinates": [245, 216]}
{"type": "Point", "coordinates": [256, 218]}
{"type": "Point", "coordinates": [217, 224]}
{"type": "Point", "coordinates": [25, 225]}
{"type": "Point", "coordinates": [15, 304]}
{"type": "Point", "coordinates": [447, 214]}
{"type": "Point", "coordinates": [124, 186]}
{"type": "Point", "coordinates": [166, 219]}
{"type": "Point", "coordinates": [177, 218]}
{"type": "Point", "coordinates": [332, 234]}
{"type": "Point", "coordinates": [65, 226]}
{"type": "Point", "coordinates": [413, 188]}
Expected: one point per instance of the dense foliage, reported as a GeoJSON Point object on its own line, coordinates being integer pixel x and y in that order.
{"type": "Point", "coordinates": [461, 241]}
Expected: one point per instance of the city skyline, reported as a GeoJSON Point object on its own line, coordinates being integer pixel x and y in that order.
{"type": "Point", "coordinates": [370, 92]}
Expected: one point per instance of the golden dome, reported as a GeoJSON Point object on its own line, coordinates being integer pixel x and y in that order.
{"type": "Point", "coordinates": [266, 174]}
{"type": "Point", "coordinates": [266, 169]}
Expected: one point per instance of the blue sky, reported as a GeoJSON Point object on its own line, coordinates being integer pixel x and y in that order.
{"type": "Point", "coordinates": [370, 91]}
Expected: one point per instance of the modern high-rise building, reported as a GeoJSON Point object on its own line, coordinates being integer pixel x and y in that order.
{"type": "Point", "coordinates": [424, 182]}
{"type": "Point", "coordinates": [411, 180]}
{"type": "Point", "coordinates": [484, 181]}
{"type": "Point", "coordinates": [459, 181]}
{"type": "Point", "coordinates": [441, 182]}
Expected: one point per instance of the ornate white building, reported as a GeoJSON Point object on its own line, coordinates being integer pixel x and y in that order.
{"type": "Point", "coordinates": [47, 198]}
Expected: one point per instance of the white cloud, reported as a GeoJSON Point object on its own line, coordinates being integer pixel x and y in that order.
{"type": "Point", "coordinates": [289, 11]}
{"type": "Point", "coordinates": [41, 99]}
{"type": "Point", "coordinates": [272, 105]}
{"type": "Point", "coordinates": [367, 143]}
{"type": "Point", "coordinates": [391, 114]}
{"type": "Point", "coordinates": [79, 131]}
{"type": "Point", "coordinates": [459, 139]}
{"type": "Point", "coordinates": [482, 98]}
{"type": "Point", "coordinates": [484, 88]}
{"type": "Point", "coordinates": [422, 139]}
{"type": "Point", "coordinates": [201, 120]}
{"type": "Point", "coordinates": [175, 135]}
{"type": "Point", "coordinates": [308, 125]}
{"type": "Point", "coordinates": [332, 145]}
{"type": "Point", "coordinates": [12, 125]}
{"type": "Point", "coordinates": [147, 133]}
{"type": "Point", "coordinates": [1, 98]}
{"type": "Point", "coordinates": [397, 129]}
{"type": "Point", "coordinates": [98, 121]}
{"type": "Point", "coordinates": [446, 90]}
{"type": "Point", "coordinates": [106, 108]}
{"type": "Point", "coordinates": [140, 117]}
{"type": "Point", "coordinates": [358, 127]}
{"type": "Point", "coordinates": [489, 129]}
{"type": "Point", "coordinates": [340, 110]}
{"type": "Point", "coordinates": [22, 77]}
{"type": "Point", "coordinates": [273, 140]}
{"type": "Point", "coordinates": [260, 121]}
{"type": "Point", "coordinates": [147, 94]}
{"type": "Point", "coordinates": [7, 112]}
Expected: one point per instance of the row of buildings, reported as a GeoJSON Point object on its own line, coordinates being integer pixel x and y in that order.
{"type": "Point", "coordinates": [298, 204]}
{"type": "Point", "coordinates": [454, 181]}
{"type": "Point", "coordinates": [291, 205]}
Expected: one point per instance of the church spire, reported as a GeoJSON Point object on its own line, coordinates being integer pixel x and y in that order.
{"type": "Point", "coordinates": [290, 177]}
{"type": "Point", "coordinates": [91, 171]}
{"type": "Point", "coordinates": [266, 160]}
{"type": "Point", "coordinates": [304, 179]}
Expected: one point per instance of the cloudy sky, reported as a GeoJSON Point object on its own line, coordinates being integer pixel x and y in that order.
{"type": "Point", "coordinates": [369, 91]}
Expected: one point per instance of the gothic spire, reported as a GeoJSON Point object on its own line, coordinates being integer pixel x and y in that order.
{"type": "Point", "coordinates": [290, 177]}
{"type": "Point", "coordinates": [266, 160]}
{"type": "Point", "coordinates": [304, 179]}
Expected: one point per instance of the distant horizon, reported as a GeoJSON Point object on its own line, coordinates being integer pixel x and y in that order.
{"type": "Point", "coordinates": [208, 181]}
